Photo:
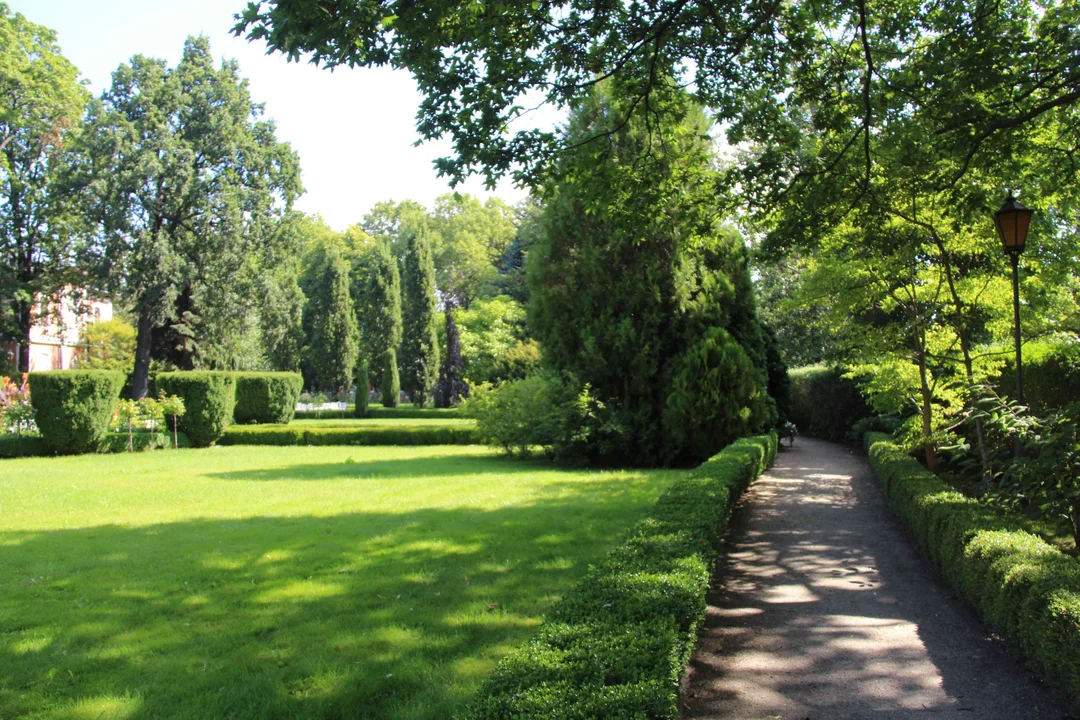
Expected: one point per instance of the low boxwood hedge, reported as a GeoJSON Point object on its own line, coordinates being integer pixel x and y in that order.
{"type": "Point", "coordinates": [72, 408]}
{"type": "Point", "coordinates": [380, 412]}
{"type": "Point", "coordinates": [617, 644]}
{"type": "Point", "coordinates": [377, 435]}
{"type": "Point", "coordinates": [1025, 589]}
{"type": "Point", "coordinates": [16, 446]}
{"type": "Point", "coordinates": [209, 399]}
{"type": "Point", "coordinates": [267, 397]}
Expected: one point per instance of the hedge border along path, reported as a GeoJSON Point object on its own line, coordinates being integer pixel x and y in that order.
{"type": "Point", "coordinates": [617, 644]}
{"type": "Point", "coordinates": [377, 435]}
{"type": "Point", "coordinates": [1025, 589]}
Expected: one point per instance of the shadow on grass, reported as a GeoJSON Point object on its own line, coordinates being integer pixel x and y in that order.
{"type": "Point", "coordinates": [354, 615]}
{"type": "Point", "coordinates": [405, 468]}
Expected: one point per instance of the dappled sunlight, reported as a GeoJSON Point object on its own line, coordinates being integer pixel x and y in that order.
{"type": "Point", "coordinates": [397, 605]}
{"type": "Point", "coordinates": [811, 611]}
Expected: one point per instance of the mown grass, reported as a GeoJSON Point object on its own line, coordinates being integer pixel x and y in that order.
{"type": "Point", "coordinates": [286, 582]}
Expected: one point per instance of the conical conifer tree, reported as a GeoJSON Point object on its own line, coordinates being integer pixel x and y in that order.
{"type": "Point", "coordinates": [420, 344]}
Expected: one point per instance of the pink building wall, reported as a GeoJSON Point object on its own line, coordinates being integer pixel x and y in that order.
{"type": "Point", "coordinates": [54, 341]}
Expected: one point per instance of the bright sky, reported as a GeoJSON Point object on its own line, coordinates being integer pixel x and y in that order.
{"type": "Point", "coordinates": [354, 129]}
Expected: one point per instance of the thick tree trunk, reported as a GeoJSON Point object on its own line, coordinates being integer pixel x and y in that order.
{"type": "Point", "coordinates": [141, 377]}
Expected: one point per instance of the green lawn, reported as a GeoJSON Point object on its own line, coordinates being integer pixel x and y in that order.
{"type": "Point", "coordinates": [285, 581]}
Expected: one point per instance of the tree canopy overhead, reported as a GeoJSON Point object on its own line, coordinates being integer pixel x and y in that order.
{"type": "Point", "coordinates": [972, 77]}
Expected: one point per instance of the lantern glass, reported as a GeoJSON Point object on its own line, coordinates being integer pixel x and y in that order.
{"type": "Point", "coordinates": [1013, 220]}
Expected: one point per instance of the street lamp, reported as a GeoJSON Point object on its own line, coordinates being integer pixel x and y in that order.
{"type": "Point", "coordinates": [1012, 222]}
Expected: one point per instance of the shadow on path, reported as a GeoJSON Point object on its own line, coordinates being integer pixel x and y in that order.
{"type": "Point", "coordinates": [821, 608]}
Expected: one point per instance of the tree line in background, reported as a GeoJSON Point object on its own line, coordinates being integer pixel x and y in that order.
{"type": "Point", "coordinates": [170, 194]}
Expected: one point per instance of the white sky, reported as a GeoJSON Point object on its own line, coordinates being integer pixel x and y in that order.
{"type": "Point", "coordinates": [353, 129]}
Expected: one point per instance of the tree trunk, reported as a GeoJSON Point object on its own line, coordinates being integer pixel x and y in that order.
{"type": "Point", "coordinates": [927, 412]}
{"type": "Point", "coordinates": [24, 317]}
{"type": "Point", "coordinates": [141, 376]}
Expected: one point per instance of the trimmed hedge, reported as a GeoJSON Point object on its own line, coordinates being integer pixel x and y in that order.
{"type": "Point", "coordinates": [72, 408]}
{"type": "Point", "coordinates": [824, 404]}
{"type": "Point", "coordinates": [16, 446]}
{"type": "Point", "coordinates": [378, 435]}
{"type": "Point", "coordinates": [267, 397]}
{"type": "Point", "coordinates": [1026, 590]}
{"type": "Point", "coordinates": [617, 644]}
{"type": "Point", "coordinates": [380, 412]}
{"type": "Point", "coordinates": [209, 399]}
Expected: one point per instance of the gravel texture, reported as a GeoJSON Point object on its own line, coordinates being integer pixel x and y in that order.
{"type": "Point", "coordinates": [821, 607]}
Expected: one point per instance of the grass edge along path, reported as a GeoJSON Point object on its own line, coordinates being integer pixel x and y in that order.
{"type": "Point", "coordinates": [1021, 586]}
{"type": "Point", "coordinates": [617, 645]}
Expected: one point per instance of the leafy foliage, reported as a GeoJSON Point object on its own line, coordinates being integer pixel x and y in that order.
{"type": "Point", "coordinates": [825, 403]}
{"type": "Point", "coordinates": [391, 385]}
{"type": "Point", "coordinates": [185, 197]}
{"type": "Point", "coordinates": [363, 385]}
{"type": "Point", "coordinates": [41, 103]}
{"type": "Point", "coordinates": [378, 283]}
{"type": "Point", "coordinates": [109, 345]}
{"type": "Point", "coordinates": [72, 408]}
{"type": "Point", "coordinates": [493, 340]}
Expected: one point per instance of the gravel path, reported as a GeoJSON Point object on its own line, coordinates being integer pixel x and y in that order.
{"type": "Point", "coordinates": [822, 608]}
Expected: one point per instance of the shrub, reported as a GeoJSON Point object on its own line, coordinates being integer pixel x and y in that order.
{"type": "Point", "coordinates": [73, 408]}
{"type": "Point", "coordinates": [824, 404]}
{"type": "Point", "coordinates": [716, 396]}
{"type": "Point", "coordinates": [352, 435]}
{"type": "Point", "coordinates": [267, 397]}
{"type": "Point", "coordinates": [16, 446]}
{"type": "Point", "coordinates": [1025, 589]}
{"type": "Point", "coordinates": [617, 644]}
{"type": "Point", "coordinates": [109, 345]}
{"type": "Point", "coordinates": [209, 398]}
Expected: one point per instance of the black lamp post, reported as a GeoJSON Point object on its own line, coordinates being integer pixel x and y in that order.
{"type": "Point", "coordinates": [1012, 222]}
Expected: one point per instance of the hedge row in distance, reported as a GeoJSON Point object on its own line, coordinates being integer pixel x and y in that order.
{"type": "Point", "coordinates": [267, 397]}
{"type": "Point", "coordinates": [824, 404]}
{"type": "Point", "coordinates": [72, 408]}
{"type": "Point", "coordinates": [377, 435]}
{"type": "Point", "coordinates": [379, 412]}
{"type": "Point", "coordinates": [209, 400]}
{"type": "Point", "coordinates": [617, 644]}
{"type": "Point", "coordinates": [1025, 589]}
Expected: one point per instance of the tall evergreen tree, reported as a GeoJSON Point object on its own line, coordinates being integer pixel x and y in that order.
{"type": "Point", "coordinates": [333, 348]}
{"type": "Point", "coordinates": [420, 343]}
{"type": "Point", "coordinates": [451, 389]}
{"type": "Point", "coordinates": [376, 276]}
{"type": "Point", "coordinates": [391, 382]}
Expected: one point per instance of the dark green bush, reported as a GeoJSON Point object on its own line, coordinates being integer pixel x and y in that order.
{"type": "Point", "coordinates": [403, 412]}
{"type": "Point", "coordinates": [1051, 376]}
{"type": "Point", "coordinates": [375, 435]}
{"type": "Point", "coordinates": [617, 644]}
{"type": "Point", "coordinates": [209, 398]}
{"type": "Point", "coordinates": [72, 408]}
{"type": "Point", "coordinates": [1025, 589]}
{"type": "Point", "coordinates": [267, 397]}
{"type": "Point", "coordinates": [391, 383]}
{"type": "Point", "coordinates": [824, 404]}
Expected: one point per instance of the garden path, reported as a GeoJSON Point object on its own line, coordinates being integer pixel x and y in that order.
{"type": "Point", "coordinates": [821, 607]}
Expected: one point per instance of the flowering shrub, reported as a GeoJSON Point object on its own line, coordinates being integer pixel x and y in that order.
{"type": "Point", "coordinates": [16, 412]}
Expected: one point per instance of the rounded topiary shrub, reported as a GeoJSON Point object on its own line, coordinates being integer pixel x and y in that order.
{"type": "Point", "coordinates": [267, 397]}
{"type": "Point", "coordinates": [209, 398]}
{"type": "Point", "coordinates": [73, 408]}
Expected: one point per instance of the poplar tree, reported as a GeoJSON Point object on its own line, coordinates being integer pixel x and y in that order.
{"type": "Point", "coordinates": [420, 344]}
